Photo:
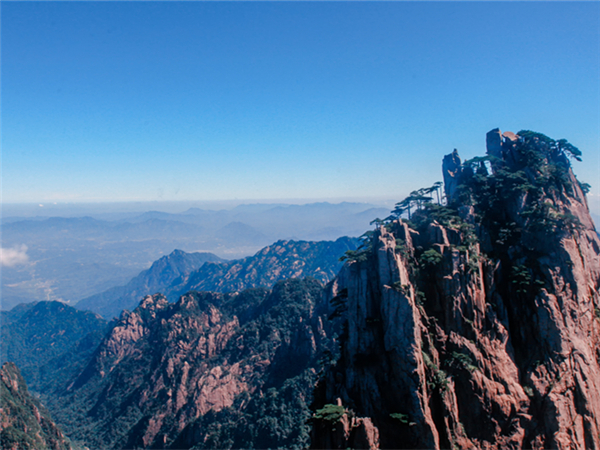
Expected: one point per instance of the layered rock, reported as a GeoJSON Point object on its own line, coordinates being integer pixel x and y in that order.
{"type": "Point", "coordinates": [480, 330]}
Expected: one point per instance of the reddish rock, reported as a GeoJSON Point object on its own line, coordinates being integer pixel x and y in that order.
{"type": "Point", "coordinates": [493, 351]}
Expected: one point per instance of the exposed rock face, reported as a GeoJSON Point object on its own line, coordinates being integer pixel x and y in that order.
{"type": "Point", "coordinates": [169, 375]}
{"type": "Point", "coordinates": [24, 423]}
{"type": "Point", "coordinates": [493, 142]}
{"type": "Point", "coordinates": [451, 171]}
{"type": "Point", "coordinates": [484, 331]}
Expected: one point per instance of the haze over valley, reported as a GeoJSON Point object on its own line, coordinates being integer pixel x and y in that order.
{"type": "Point", "coordinates": [71, 258]}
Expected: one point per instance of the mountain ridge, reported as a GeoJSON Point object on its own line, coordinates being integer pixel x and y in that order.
{"type": "Point", "coordinates": [161, 273]}
{"type": "Point", "coordinates": [469, 324]}
{"type": "Point", "coordinates": [281, 260]}
{"type": "Point", "coordinates": [167, 374]}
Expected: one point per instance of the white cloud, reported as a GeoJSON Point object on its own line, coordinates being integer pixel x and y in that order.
{"type": "Point", "coordinates": [13, 256]}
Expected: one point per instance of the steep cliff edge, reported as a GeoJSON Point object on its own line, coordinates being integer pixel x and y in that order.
{"type": "Point", "coordinates": [475, 324]}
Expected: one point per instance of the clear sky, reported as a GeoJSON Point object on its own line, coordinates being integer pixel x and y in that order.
{"type": "Point", "coordinates": [127, 101]}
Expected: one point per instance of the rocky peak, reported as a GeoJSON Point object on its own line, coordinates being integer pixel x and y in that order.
{"type": "Point", "coordinates": [451, 169]}
{"type": "Point", "coordinates": [153, 303]}
{"type": "Point", "coordinates": [476, 324]}
{"type": "Point", "coordinates": [282, 260]}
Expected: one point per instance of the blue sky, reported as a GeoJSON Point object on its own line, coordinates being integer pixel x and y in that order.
{"type": "Point", "coordinates": [130, 101]}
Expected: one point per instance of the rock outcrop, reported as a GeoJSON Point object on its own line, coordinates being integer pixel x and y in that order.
{"type": "Point", "coordinates": [24, 422]}
{"type": "Point", "coordinates": [451, 171]}
{"type": "Point", "coordinates": [210, 371]}
{"type": "Point", "coordinates": [479, 327]}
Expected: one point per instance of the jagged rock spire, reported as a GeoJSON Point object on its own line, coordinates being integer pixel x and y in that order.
{"type": "Point", "coordinates": [451, 170]}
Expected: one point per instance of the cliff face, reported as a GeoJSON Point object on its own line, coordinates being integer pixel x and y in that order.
{"type": "Point", "coordinates": [24, 423]}
{"type": "Point", "coordinates": [210, 371]}
{"type": "Point", "coordinates": [476, 324]}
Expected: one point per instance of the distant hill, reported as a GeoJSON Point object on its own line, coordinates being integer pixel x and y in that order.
{"type": "Point", "coordinates": [178, 273]}
{"type": "Point", "coordinates": [24, 422]}
{"type": "Point", "coordinates": [160, 275]}
{"type": "Point", "coordinates": [239, 233]}
{"type": "Point", "coordinates": [34, 334]}
{"type": "Point", "coordinates": [282, 260]}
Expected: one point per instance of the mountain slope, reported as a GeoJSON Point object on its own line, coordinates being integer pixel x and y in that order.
{"type": "Point", "coordinates": [210, 371]}
{"type": "Point", "coordinates": [161, 274]}
{"type": "Point", "coordinates": [474, 325]}
{"type": "Point", "coordinates": [35, 334]}
{"type": "Point", "coordinates": [24, 423]}
{"type": "Point", "coordinates": [282, 260]}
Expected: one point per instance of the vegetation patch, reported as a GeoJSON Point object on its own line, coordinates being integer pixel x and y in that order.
{"type": "Point", "coordinates": [402, 418]}
{"type": "Point", "coordinates": [330, 413]}
{"type": "Point", "coordinates": [462, 360]}
{"type": "Point", "coordinates": [438, 379]}
{"type": "Point", "coordinates": [430, 258]}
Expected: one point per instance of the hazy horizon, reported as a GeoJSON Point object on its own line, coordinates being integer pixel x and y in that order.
{"type": "Point", "coordinates": [75, 209]}
{"type": "Point", "coordinates": [197, 101]}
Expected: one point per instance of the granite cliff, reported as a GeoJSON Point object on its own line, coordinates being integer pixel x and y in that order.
{"type": "Point", "coordinates": [475, 324]}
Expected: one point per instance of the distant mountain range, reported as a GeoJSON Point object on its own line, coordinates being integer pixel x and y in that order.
{"type": "Point", "coordinates": [160, 275]}
{"type": "Point", "coordinates": [69, 259]}
{"type": "Point", "coordinates": [282, 260]}
{"type": "Point", "coordinates": [180, 272]}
